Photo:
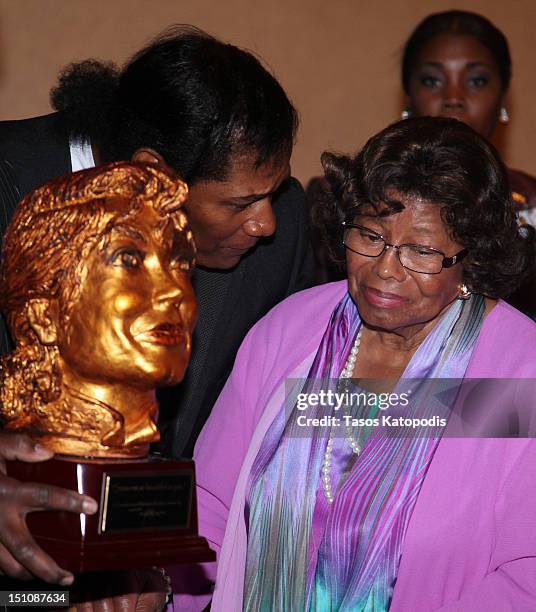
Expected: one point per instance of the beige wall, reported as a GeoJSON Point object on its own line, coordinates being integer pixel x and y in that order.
{"type": "Point", "coordinates": [338, 59]}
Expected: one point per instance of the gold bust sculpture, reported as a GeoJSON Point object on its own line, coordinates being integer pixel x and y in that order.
{"type": "Point", "coordinates": [95, 287]}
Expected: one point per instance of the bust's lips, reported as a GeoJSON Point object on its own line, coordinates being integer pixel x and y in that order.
{"type": "Point", "coordinates": [168, 334]}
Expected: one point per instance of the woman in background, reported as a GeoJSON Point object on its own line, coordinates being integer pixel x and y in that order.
{"type": "Point", "coordinates": [457, 64]}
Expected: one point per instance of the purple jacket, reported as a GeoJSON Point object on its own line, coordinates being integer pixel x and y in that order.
{"type": "Point", "coordinates": [471, 541]}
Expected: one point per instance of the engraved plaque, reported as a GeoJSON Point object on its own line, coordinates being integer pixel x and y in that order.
{"type": "Point", "coordinates": [134, 501]}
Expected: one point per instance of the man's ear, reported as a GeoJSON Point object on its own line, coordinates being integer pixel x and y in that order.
{"type": "Point", "coordinates": [150, 156]}
{"type": "Point", "coordinates": [43, 319]}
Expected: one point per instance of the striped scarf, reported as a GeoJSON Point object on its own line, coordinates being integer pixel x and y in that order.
{"type": "Point", "coordinates": [306, 554]}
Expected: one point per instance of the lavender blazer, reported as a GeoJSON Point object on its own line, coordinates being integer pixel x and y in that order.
{"type": "Point", "coordinates": [471, 540]}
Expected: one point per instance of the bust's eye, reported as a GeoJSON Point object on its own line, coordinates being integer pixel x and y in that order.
{"type": "Point", "coordinates": [181, 263]}
{"type": "Point", "coordinates": [127, 258]}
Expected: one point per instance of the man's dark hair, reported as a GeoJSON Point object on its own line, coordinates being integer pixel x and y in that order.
{"type": "Point", "coordinates": [463, 23]}
{"type": "Point", "coordinates": [447, 163]}
{"type": "Point", "coordinates": [195, 100]}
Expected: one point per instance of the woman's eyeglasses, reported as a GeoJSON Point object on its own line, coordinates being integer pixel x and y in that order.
{"type": "Point", "coordinates": [414, 257]}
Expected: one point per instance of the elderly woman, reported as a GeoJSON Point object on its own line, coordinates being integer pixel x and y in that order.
{"type": "Point", "coordinates": [371, 521]}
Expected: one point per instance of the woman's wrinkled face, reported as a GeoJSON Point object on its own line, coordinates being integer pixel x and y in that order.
{"type": "Point", "coordinates": [229, 217]}
{"type": "Point", "coordinates": [133, 319]}
{"type": "Point", "coordinates": [389, 296]}
{"type": "Point", "coordinates": [457, 76]}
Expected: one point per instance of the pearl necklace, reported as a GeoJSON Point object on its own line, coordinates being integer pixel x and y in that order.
{"type": "Point", "coordinates": [326, 465]}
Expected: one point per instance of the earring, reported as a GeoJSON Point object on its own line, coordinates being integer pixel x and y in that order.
{"type": "Point", "coordinates": [405, 114]}
{"type": "Point", "coordinates": [504, 117]}
{"type": "Point", "coordinates": [464, 294]}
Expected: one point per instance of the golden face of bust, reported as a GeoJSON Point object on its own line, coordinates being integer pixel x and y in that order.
{"type": "Point", "coordinates": [135, 312]}
{"type": "Point", "coordinates": [103, 313]}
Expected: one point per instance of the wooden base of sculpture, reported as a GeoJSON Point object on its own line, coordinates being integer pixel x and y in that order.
{"type": "Point", "coordinates": [147, 513]}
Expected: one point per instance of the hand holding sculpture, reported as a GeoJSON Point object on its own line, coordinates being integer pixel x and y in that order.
{"type": "Point", "coordinates": [95, 286]}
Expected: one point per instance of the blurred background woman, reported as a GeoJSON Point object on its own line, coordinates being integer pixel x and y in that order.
{"type": "Point", "coordinates": [457, 64]}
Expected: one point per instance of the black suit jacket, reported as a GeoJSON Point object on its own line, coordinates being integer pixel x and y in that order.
{"type": "Point", "coordinates": [9, 196]}
{"type": "Point", "coordinates": [38, 150]}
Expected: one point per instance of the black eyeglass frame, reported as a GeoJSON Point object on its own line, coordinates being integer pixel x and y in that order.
{"type": "Point", "coordinates": [447, 262]}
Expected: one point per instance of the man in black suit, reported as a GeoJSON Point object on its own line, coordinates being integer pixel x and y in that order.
{"type": "Point", "coordinates": [213, 114]}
